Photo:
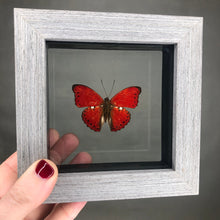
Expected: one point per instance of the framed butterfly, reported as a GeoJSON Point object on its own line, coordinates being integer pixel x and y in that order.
{"type": "Point", "coordinates": [101, 110]}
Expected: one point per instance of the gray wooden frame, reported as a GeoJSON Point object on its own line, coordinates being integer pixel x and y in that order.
{"type": "Point", "coordinates": [34, 27]}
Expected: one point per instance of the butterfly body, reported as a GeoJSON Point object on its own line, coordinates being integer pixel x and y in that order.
{"type": "Point", "coordinates": [107, 106]}
{"type": "Point", "coordinates": [99, 111]}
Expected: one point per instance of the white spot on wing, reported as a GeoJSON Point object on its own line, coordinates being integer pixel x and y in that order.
{"type": "Point", "coordinates": [120, 108]}
{"type": "Point", "coordinates": [92, 107]}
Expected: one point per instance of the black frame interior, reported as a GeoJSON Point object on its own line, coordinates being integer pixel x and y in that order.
{"type": "Point", "coordinates": [167, 106]}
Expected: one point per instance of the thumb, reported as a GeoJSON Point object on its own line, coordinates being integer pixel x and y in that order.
{"type": "Point", "coordinates": [29, 191]}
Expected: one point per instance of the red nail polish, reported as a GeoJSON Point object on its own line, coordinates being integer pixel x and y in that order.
{"type": "Point", "coordinates": [44, 170]}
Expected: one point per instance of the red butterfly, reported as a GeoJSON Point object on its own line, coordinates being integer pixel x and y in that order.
{"type": "Point", "coordinates": [99, 111]}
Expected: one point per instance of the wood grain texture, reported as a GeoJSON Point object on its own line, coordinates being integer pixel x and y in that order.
{"type": "Point", "coordinates": [34, 27]}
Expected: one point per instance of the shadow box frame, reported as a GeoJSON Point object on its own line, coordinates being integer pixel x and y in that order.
{"type": "Point", "coordinates": [35, 27]}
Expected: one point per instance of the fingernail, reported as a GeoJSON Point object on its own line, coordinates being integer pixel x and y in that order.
{"type": "Point", "coordinates": [44, 170]}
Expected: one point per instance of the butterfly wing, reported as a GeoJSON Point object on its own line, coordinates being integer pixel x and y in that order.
{"type": "Point", "coordinates": [127, 97]}
{"type": "Point", "coordinates": [92, 117]}
{"type": "Point", "coordinates": [119, 118]}
{"type": "Point", "coordinates": [85, 96]}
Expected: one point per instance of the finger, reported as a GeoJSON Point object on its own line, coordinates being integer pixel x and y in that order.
{"type": "Point", "coordinates": [63, 148]}
{"type": "Point", "coordinates": [43, 210]}
{"type": "Point", "coordinates": [70, 210]}
{"type": "Point", "coordinates": [66, 211]}
{"type": "Point", "coordinates": [29, 191]}
{"type": "Point", "coordinates": [40, 212]}
{"type": "Point", "coordinates": [68, 142]}
{"type": "Point", "coordinates": [8, 174]}
{"type": "Point", "coordinates": [82, 157]}
{"type": "Point", "coordinates": [53, 137]}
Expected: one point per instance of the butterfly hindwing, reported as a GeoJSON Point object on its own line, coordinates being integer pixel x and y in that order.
{"type": "Point", "coordinates": [92, 117]}
{"type": "Point", "coordinates": [119, 118]}
{"type": "Point", "coordinates": [85, 96]}
{"type": "Point", "coordinates": [127, 97]}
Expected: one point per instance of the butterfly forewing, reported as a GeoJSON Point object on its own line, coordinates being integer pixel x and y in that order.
{"type": "Point", "coordinates": [85, 96]}
{"type": "Point", "coordinates": [127, 97]}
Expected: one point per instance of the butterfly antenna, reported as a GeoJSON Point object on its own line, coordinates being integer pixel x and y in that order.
{"type": "Point", "coordinates": [104, 88]}
{"type": "Point", "coordinates": [112, 88]}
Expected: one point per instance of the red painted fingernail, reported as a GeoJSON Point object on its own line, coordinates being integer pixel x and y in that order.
{"type": "Point", "coordinates": [44, 170]}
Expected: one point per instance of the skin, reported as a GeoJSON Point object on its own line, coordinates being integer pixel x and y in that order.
{"type": "Point", "coordinates": [22, 198]}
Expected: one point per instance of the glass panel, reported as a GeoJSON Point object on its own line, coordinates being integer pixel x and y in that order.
{"type": "Point", "coordinates": [140, 139]}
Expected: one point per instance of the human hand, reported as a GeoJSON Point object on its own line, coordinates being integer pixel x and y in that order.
{"type": "Point", "coordinates": [22, 198]}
